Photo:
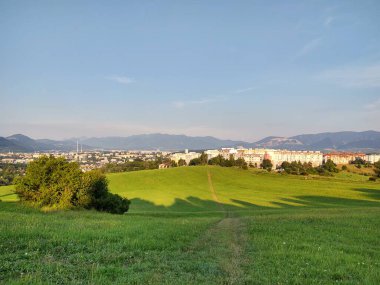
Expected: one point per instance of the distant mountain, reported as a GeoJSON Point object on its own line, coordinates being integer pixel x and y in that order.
{"type": "Point", "coordinates": [277, 142]}
{"type": "Point", "coordinates": [368, 141]}
{"type": "Point", "coordinates": [22, 143]}
{"type": "Point", "coordinates": [8, 145]}
{"type": "Point", "coordinates": [160, 141]}
{"type": "Point", "coordinates": [65, 145]}
{"type": "Point", "coordinates": [28, 143]}
{"type": "Point", "coordinates": [343, 141]}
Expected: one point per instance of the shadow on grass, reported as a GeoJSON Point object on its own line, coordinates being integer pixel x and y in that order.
{"type": "Point", "coordinates": [6, 195]}
{"type": "Point", "coordinates": [370, 193]}
{"type": "Point", "coordinates": [196, 206]}
{"type": "Point", "coordinates": [193, 206]}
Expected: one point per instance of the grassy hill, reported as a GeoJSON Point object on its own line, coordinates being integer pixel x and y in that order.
{"type": "Point", "coordinates": [202, 225]}
{"type": "Point", "coordinates": [187, 188]}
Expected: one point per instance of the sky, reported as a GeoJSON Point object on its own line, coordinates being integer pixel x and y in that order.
{"type": "Point", "coordinates": [239, 70]}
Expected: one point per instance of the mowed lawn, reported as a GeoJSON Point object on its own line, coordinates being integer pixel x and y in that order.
{"type": "Point", "coordinates": [202, 225]}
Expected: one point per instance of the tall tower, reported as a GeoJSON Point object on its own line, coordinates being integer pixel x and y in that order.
{"type": "Point", "coordinates": [77, 146]}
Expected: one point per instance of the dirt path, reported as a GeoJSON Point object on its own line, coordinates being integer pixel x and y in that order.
{"type": "Point", "coordinates": [224, 243]}
{"type": "Point", "coordinates": [212, 190]}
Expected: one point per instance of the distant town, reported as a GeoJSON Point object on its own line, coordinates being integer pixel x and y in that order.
{"type": "Point", "coordinates": [89, 160]}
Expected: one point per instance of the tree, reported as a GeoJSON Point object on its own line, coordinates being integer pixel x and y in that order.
{"type": "Point", "coordinates": [51, 182]}
{"type": "Point", "coordinates": [358, 161]}
{"type": "Point", "coordinates": [240, 162]}
{"type": "Point", "coordinates": [8, 172]}
{"type": "Point", "coordinates": [195, 161]}
{"type": "Point", "coordinates": [267, 164]}
{"type": "Point", "coordinates": [330, 166]}
{"type": "Point", "coordinates": [377, 168]}
{"type": "Point", "coordinates": [182, 162]}
{"type": "Point", "coordinates": [203, 159]}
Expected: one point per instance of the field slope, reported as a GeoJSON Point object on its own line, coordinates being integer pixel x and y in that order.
{"type": "Point", "coordinates": [187, 188]}
{"type": "Point", "coordinates": [202, 225]}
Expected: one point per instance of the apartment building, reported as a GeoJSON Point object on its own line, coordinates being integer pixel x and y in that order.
{"type": "Point", "coordinates": [343, 157]}
{"type": "Point", "coordinates": [187, 156]}
{"type": "Point", "coordinates": [372, 158]}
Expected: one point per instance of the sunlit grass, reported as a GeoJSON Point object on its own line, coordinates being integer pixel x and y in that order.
{"type": "Point", "coordinates": [189, 184]}
{"type": "Point", "coordinates": [267, 229]}
{"type": "Point", "coordinates": [7, 194]}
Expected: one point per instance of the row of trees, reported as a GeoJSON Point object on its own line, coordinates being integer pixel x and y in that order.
{"type": "Point", "coordinates": [55, 183]}
{"type": "Point", "coordinates": [136, 165]}
{"type": "Point", "coordinates": [294, 167]}
{"type": "Point", "coordinates": [8, 172]}
{"type": "Point", "coordinates": [298, 168]}
{"type": "Point", "coordinates": [219, 160]}
{"type": "Point", "coordinates": [359, 163]}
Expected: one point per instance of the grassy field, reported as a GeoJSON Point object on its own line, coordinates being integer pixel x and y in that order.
{"type": "Point", "coordinates": [202, 225]}
{"type": "Point", "coordinates": [7, 195]}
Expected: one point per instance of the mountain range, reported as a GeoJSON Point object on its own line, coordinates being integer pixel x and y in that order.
{"type": "Point", "coordinates": [367, 141]}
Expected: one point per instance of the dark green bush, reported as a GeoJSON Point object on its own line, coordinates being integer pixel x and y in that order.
{"type": "Point", "coordinates": [112, 203]}
{"type": "Point", "coordinates": [58, 184]}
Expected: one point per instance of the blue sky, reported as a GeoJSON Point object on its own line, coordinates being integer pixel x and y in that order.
{"type": "Point", "coordinates": [230, 69]}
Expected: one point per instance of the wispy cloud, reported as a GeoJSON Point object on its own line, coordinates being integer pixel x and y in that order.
{"type": "Point", "coordinates": [328, 21]}
{"type": "Point", "coordinates": [121, 79]}
{"type": "Point", "coordinates": [374, 106]}
{"type": "Point", "coordinates": [354, 76]}
{"type": "Point", "coordinates": [239, 91]}
{"type": "Point", "coordinates": [309, 47]}
{"type": "Point", "coordinates": [183, 104]}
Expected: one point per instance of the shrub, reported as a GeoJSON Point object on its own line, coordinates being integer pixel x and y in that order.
{"type": "Point", "coordinates": [344, 167]}
{"type": "Point", "coordinates": [112, 203]}
{"type": "Point", "coordinates": [267, 164]}
{"type": "Point", "coordinates": [55, 183]}
{"type": "Point", "coordinates": [195, 161]}
{"type": "Point", "coordinates": [330, 166]}
{"type": "Point", "coordinates": [377, 168]}
{"type": "Point", "coordinates": [182, 162]}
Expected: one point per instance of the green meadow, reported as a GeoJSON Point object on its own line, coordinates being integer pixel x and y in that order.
{"type": "Point", "coordinates": [202, 225]}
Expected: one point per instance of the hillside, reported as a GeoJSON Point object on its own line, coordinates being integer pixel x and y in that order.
{"type": "Point", "coordinates": [202, 225]}
{"type": "Point", "coordinates": [22, 143]}
{"type": "Point", "coordinates": [188, 188]}
{"type": "Point", "coordinates": [368, 141]}
{"type": "Point", "coordinates": [159, 141]}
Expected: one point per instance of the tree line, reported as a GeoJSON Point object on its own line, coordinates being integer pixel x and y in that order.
{"type": "Point", "coordinates": [8, 172]}
{"type": "Point", "coordinates": [219, 160]}
{"type": "Point", "coordinates": [136, 165]}
{"type": "Point", "coordinates": [298, 168]}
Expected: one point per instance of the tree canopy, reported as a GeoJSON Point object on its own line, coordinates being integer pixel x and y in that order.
{"type": "Point", "coordinates": [55, 183]}
{"type": "Point", "coordinates": [267, 164]}
{"type": "Point", "coordinates": [377, 168]}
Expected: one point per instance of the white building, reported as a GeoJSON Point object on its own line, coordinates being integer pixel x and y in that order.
{"type": "Point", "coordinates": [343, 157]}
{"type": "Point", "coordinates": [212, 153]}
{"type": "Point", "coordinates": [227, 152]}
{"type": "Point", "coordinates": [277, 156]}
{"type": "Point", "coordinates": [187, 156]}
{"type": "Point", "coordinates": [372, 158]}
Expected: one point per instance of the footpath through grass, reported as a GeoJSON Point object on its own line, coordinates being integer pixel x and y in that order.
{"type": "Point", "coordinates": [188, 227]}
